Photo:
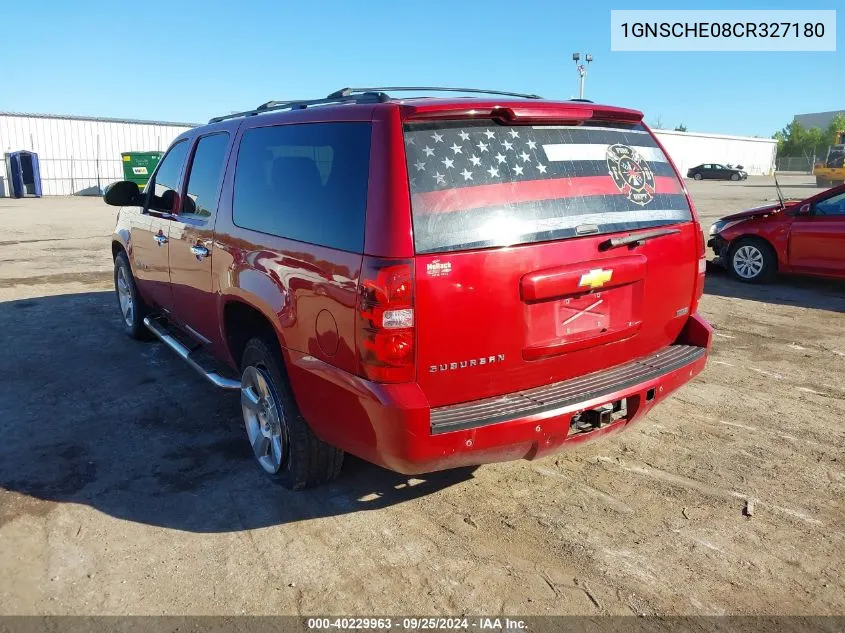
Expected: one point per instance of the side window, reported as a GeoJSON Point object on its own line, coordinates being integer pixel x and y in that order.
{"type": "Point", "coordinates": [166, 179]}
{"type": "Point", "coordinates": [306, 182]}
{"type": "Point", "coordinates": [206, 174]}
{"type": "Point", "coordinates": [835, 205]}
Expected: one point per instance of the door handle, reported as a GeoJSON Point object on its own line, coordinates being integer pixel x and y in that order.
{"type": "Point", "coordinates": [199, 250]}
{"type": "Point", "coordinates": [160, 238]}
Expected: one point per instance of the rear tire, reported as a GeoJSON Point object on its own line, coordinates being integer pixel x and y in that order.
{"type": "Point", "coordinates": [752, 260]}
{"type": "Point", "coordinates": [283, 444]}
{"type": "Point", "coordinates": [132, 307]}
{"type": "Point", "coordinates": [698, 176]}
{"type": "Point", "coordinates": [821, 182]}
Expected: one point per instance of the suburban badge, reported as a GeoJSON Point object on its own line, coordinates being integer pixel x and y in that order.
{"type": "Point", "coordinates": [463, 364]}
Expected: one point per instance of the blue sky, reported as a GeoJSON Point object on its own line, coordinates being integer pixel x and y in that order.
{"type": "Point", "coordinates": [189, 61]}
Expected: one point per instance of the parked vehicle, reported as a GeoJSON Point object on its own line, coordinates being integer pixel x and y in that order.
{"type": "Point", "coordinates": [831, 171]}
{"type": "Point", "coordinates": [792, 236]}
{"type": "Point", "coordinates": [715, 171]}
{"type": "Point", "coordinates": [424, 283]}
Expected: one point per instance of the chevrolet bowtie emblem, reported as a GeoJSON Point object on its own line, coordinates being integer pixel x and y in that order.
{"type": "Point", "coordinates": [596, 278]}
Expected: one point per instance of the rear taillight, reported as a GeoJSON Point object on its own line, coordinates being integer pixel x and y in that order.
{"type": "Point", "coordinates": [385, 320]}
{"type": "Point", "coordinates": [702, 266]}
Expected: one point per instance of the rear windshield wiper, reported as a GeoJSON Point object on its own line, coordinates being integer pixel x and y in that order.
{"type": "Point", "coordinates": [635, 238]}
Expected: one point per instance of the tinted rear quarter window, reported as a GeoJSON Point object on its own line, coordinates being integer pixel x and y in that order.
{"type": "Point", "coordinates": [478, 184]}
{"type": "Point", "coordinates": [306, 182]}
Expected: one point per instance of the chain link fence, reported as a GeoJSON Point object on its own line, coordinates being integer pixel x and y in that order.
{"type": "Point", "coordinates": [800, 164]}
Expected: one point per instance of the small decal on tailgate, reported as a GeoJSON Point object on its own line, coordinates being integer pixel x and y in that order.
{"type": "Point", "coordinates": [438, 268]}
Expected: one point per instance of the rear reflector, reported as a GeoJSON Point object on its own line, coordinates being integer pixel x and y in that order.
{"type": "Point", "coordinates": [385, 320]}
{"type": "Point", "coordinates": [702, 266]}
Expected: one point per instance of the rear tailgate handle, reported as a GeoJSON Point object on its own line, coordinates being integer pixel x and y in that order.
{"type": "Point", "coordinates": [582, 277]}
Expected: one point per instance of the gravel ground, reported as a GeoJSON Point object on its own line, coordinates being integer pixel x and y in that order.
{"type": "Point", "coordinates": [126, 486]}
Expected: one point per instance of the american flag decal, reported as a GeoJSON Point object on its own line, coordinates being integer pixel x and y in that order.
{"type": "Point", "coordinates": [477, 183]}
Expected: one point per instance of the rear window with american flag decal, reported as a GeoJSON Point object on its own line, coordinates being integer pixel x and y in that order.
{"type": "Point", "coordinates": [477, 184]}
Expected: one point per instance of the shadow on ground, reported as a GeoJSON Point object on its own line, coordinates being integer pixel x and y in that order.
{"type": "Point", "coordinates": [89, 416]}
{"type": "Point", "coordinates": [807, 292]}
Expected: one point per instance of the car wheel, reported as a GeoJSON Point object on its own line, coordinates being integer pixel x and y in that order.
{"type": "Point", "coordinates": [752, 260]}
{"type": "Point", "coordinates": [284, 446]}
{"type": "Point", "coordinates": [698, 176]}
{"type": "Point", "coordinates": [821, 182]}
{"type": "Point", "coordinates": [734, 177]}
{"type": "Point", "coordinates": [132, 307]}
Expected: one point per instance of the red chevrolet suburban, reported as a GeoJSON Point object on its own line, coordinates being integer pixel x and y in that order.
{"type": "Point", "coordinates": [425, 283]}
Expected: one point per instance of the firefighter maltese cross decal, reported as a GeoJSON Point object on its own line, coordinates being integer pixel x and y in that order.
{"type": "Point", "coordinates": [630, 172]}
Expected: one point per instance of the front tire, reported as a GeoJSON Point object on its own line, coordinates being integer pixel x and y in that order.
{"type": "Point", "coordinates": [284, 446]}
{"type": "Point", "coordinates": [752, 260]}
{"type": "Point", "coordinates": [132, 307]}
{"type": "Point", "coordinates": [821, 182]}
{"type": "Point", "coordinates": [698, 176]}
{"type": "Point", "coordinates": [734, 177]}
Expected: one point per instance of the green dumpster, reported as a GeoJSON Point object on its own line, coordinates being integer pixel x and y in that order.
{"type": "Point", "coordinates": [139, 166]}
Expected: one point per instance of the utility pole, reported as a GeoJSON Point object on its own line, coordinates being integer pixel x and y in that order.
{"type": "Point", "coordinates": [582, 68]}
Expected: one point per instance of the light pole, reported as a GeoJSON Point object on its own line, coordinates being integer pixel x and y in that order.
{"type": "Point", "coordinates": [582, 68]}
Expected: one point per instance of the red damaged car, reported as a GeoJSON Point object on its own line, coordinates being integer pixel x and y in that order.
{"type": "Point", "coordinates": [795, 236]}
{"type": "Point", "coordinates": [424, 283]}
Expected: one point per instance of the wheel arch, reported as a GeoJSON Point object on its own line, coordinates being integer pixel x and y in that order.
{"type": "Point", "coordinates": [757, 238]}
{"type": "Point", "coordinates": [120, 243]}
{"type": "Point", "coordinates": [241, 320]}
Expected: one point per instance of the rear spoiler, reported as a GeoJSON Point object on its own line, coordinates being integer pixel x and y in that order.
{"type": "Point", "coordinates": [521, 112]}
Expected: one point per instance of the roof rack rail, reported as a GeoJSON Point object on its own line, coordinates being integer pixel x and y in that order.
{"type": "Point", "coordinates": [300, 104]}
{"type": "Point", "coordinates": [346, 92]}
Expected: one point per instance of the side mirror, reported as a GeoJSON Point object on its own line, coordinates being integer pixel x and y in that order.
{"type": "Point", "coordinates": [122, 194]}
{"type": "Point", "coordinates": [804, 209]}
{"type": "Point", "coordinates": [189, 207]}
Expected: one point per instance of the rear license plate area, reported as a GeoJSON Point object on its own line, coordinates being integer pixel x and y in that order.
{"type": "Point", "coordinates": [588, 314]}
{"type": "Point", "coordinates": [581, 316]}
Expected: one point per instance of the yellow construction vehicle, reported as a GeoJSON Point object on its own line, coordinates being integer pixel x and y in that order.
{"type": "Point", "coordinates": [832, 170]}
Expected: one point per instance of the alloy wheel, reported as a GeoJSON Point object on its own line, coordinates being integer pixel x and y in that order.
{"type": "Point", "coordinates": [748, 261]}
{"type": "Point", "coordinates": [264, 419]}
{"type": "Point", "coordinates": [124, 296]}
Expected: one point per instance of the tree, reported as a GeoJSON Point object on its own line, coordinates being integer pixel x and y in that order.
{"type": "Point", "coordinates": [796, 140]}
{"type": "Point", "coordinates": [657, 124]}
{"type": "Point", "coordinates": [681, 128]}
{"type": "Point", "coordinates": [790, 139]}
{"type": "Point", "coordinates": [837, 124]}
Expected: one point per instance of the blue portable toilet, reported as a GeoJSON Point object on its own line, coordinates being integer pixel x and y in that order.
{"type": "Point", "coordinates": [24, 174]}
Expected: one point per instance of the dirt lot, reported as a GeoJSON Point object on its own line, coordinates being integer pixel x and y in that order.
{"type": "Point", "coordinates": [126, 486]}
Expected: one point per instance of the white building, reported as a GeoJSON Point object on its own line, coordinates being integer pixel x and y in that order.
{"type": "Point", "coordinates": [688, 149]}
{"type": "Point", "coordinates": [79, 155]}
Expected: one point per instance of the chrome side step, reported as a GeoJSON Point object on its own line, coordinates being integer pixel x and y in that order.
{"type": "Point", "coordinates": [213, 377]}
